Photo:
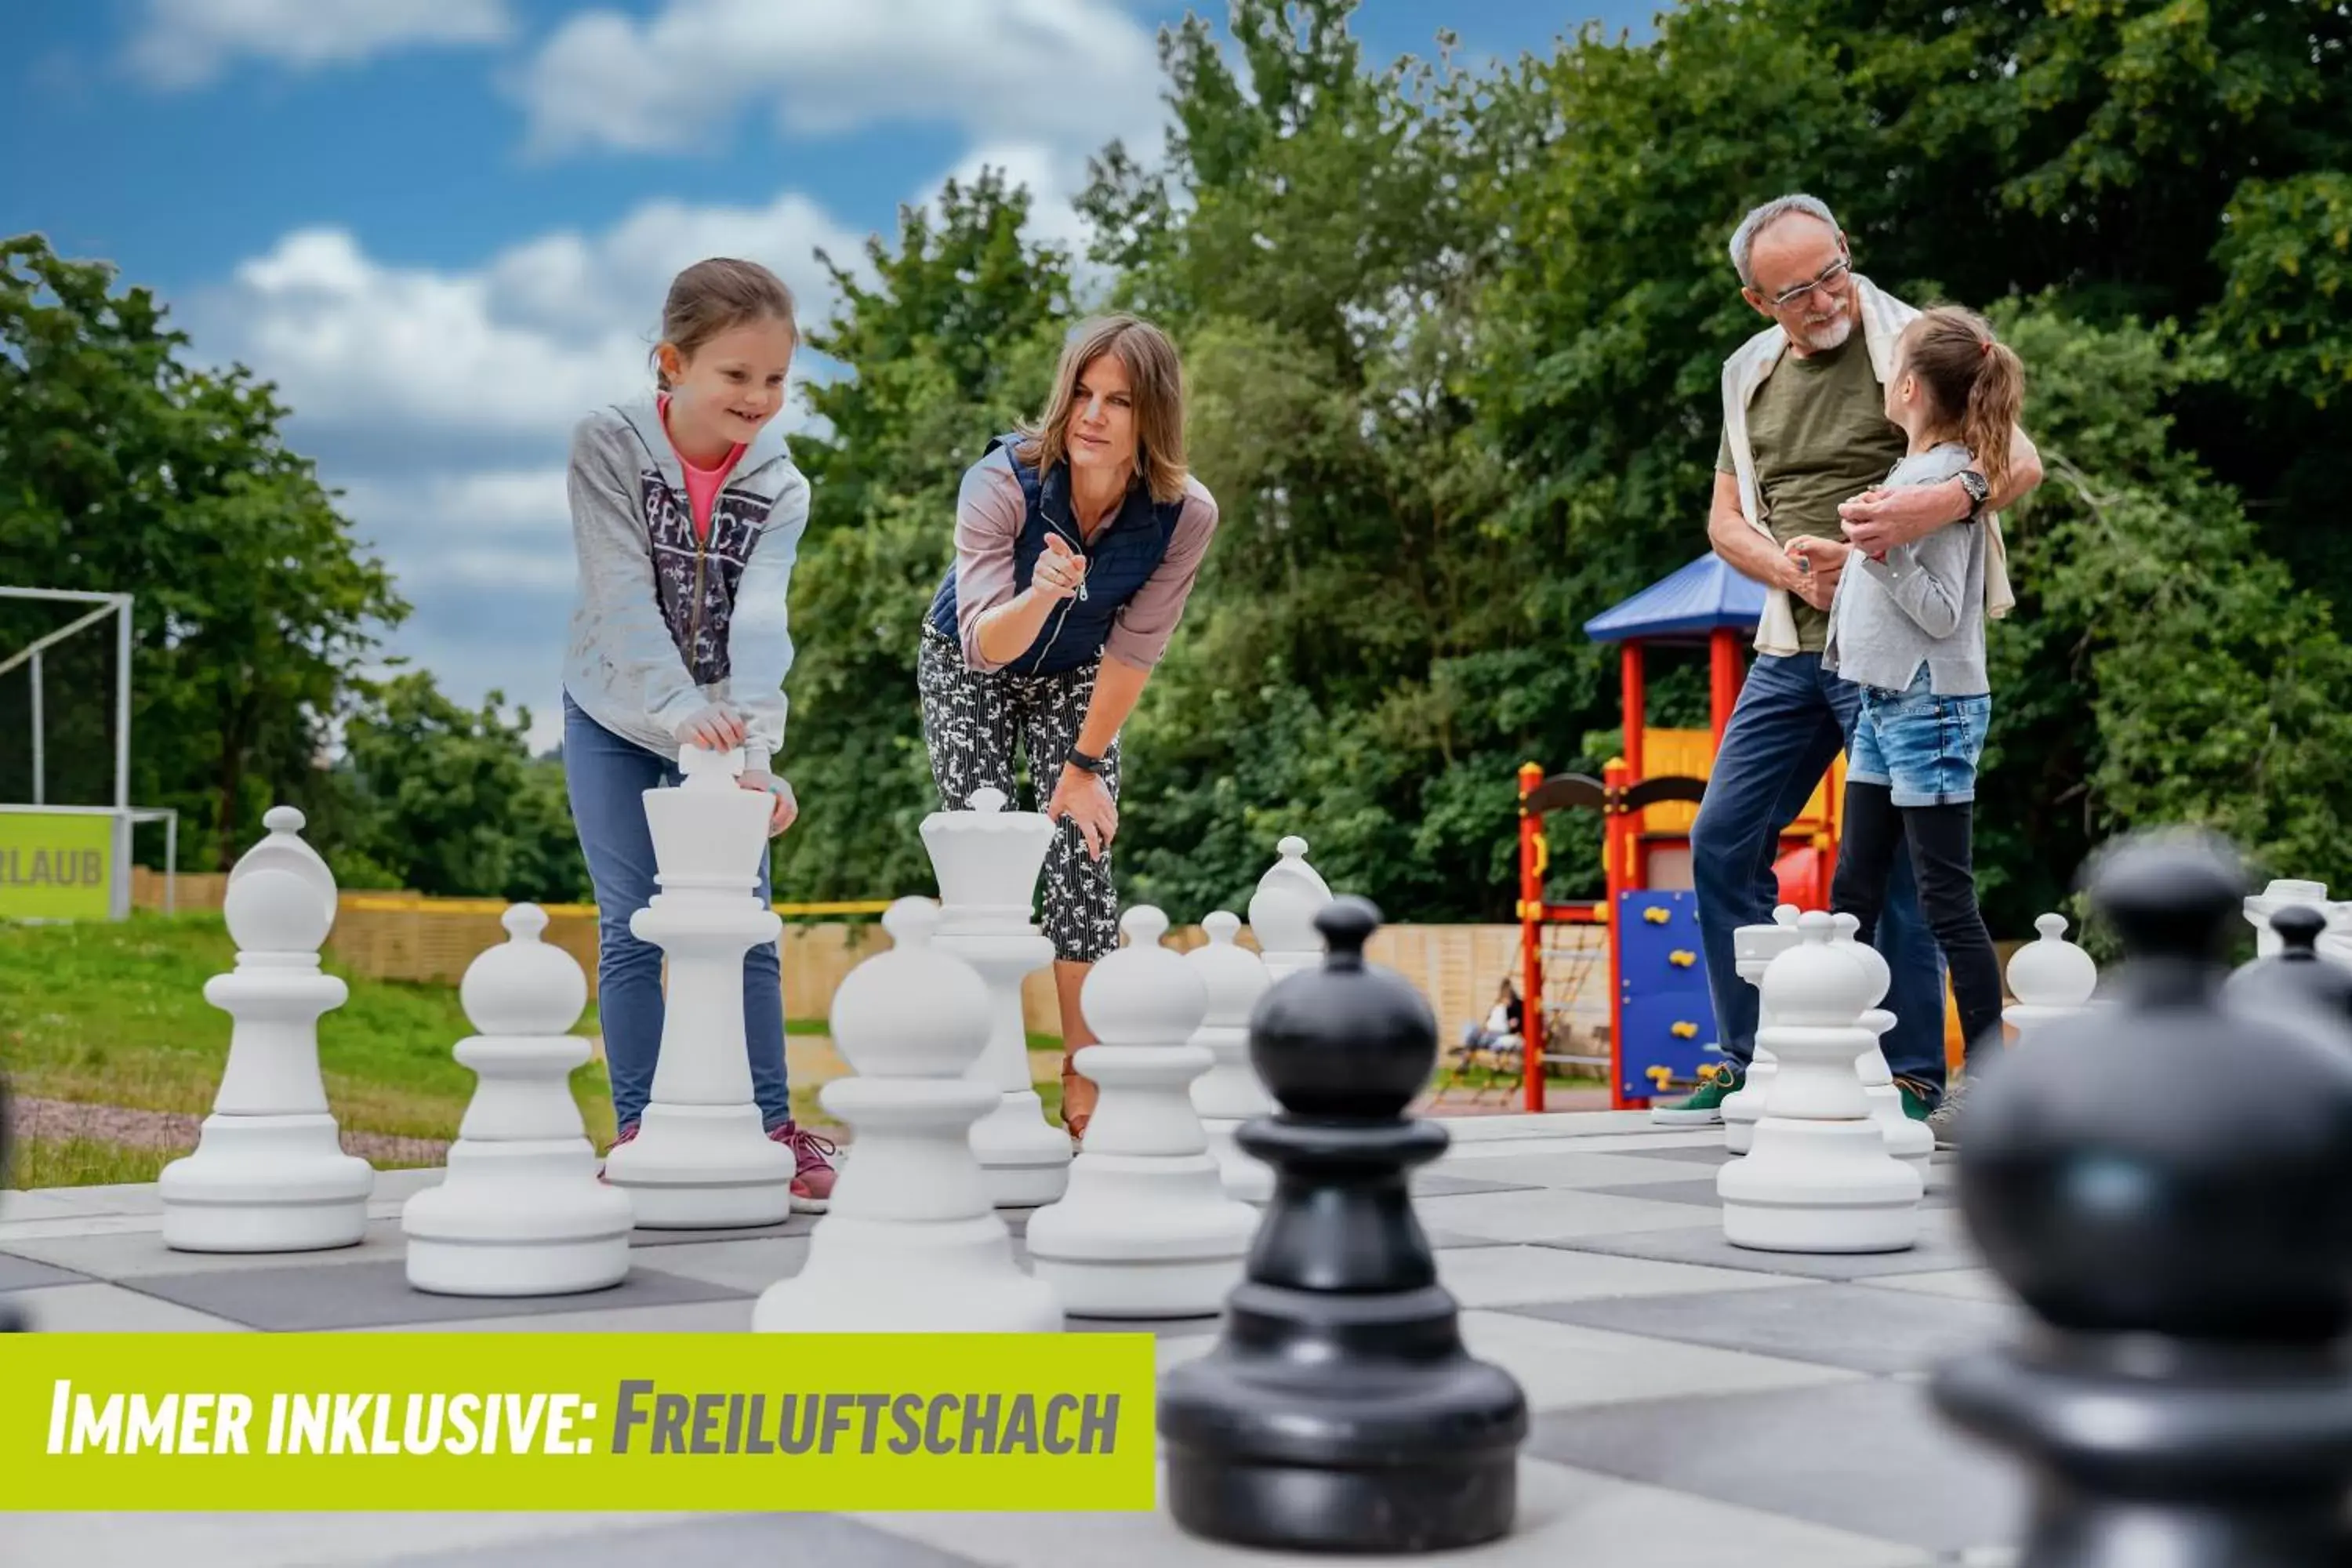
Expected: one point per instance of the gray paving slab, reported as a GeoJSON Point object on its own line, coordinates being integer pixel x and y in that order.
{"type": "Point", "coordinates": [365, 1295]}
{"type": "Point", "coordinates": [1871, 1457]}
{"type": "Point", "coordinates": [1833, 1324]}
{"type": "Point", "coordinates": [1941, 1246]}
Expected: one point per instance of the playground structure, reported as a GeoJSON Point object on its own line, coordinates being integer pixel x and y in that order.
{"type": "Point", "coordinates": [1661, 1023]}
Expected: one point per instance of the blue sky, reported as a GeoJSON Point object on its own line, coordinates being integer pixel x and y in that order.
{"type": "Point", "coordinates": [443, 227]}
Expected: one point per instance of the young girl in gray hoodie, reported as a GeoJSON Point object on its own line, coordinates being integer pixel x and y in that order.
{"type": "Point", "coordinates": [1909, 628]}
{"type": "Point", "coordinates": [686, 514]}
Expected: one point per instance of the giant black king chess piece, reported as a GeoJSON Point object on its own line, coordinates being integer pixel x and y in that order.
{"type": "Point", "coordinates": [2158, 1180]}
{"type": "Point", "coordinates": [1339, 1411]}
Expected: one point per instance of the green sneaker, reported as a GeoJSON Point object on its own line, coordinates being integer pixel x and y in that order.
{"type": "Point", "coordinates": [1914, 1100]}
{"type": "Point", "coordinates": [1704, 1108]}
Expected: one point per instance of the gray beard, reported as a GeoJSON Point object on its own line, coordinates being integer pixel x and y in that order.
{"type": "Point", "coordinates": [1829, 334]}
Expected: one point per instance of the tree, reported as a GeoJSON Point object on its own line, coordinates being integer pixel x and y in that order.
{"type": "Point", "coordinates": [128, 469]}
{"type": "Point", "coordinates": [952, 343]}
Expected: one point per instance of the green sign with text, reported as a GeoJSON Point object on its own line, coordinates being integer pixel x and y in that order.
{"type": "Point", "coordinates": [56, 865]}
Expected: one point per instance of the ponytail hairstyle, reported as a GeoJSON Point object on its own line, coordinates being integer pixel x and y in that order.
{"type": "Point", "coordinates": [716, 295]}
{"type": "Point", "coordinates": [1975, 380]}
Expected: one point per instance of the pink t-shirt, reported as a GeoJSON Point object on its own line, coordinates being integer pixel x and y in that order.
{"type": "Point", "coordinates": [702, 485]}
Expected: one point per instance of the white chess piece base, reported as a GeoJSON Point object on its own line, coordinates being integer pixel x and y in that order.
{"type": "Point", "coordinates": [1244, 1176]}
{"type": "Point", "coordinates": [1142, 1236]}
{"type": "Point", "coordinates": [1907, 1139]}
{"type": "Point", "coordinates": [901, 1251]}
{"type": "Point", "coordinates": [1744, 1110]}
{"type": "Point", "coordinates": [524, 1218]}
{"type": "Point", "coordinates": [1024, 1161]}
{"type": "Point", "coordinates": [266, 1183]}
{"type": "Point", "coordinates": [1821, 1186]}
{"type": "Point", "coordinates": [703, 1167]}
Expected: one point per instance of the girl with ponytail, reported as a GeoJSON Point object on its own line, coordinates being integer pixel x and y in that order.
{"type": "Point", "coordinates": [1907, 626]}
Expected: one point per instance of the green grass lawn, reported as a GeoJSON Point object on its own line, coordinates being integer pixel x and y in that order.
{"type": "Point", "coordinates": [114, 1015]}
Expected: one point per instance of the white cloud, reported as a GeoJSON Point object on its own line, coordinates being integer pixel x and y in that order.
{"type": "Point", "coordinates": [185, 42]}
{"type": "Point", "coordinates": [521, 345]}
{"type": "Point", "coordinates": [1067, 71]}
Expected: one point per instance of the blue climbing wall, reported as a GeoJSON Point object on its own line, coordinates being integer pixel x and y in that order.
{"type": "Point", "coordinates": [1668, 1018]}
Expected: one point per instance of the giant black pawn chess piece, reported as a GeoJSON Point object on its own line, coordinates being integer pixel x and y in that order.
{"type": "Point", "coordinates": [2296, 975]}
{"type": "Point", "coordinates": [1339, 1411]}
{"type": "Point", "coordinates": [2157, 1181]}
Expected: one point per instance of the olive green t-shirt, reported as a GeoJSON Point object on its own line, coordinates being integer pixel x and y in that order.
{"type": "Point", "coordinates": [1819, 429]}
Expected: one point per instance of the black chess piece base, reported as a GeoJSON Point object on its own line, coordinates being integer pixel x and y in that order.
{"type": "Point", "coordinates": [1340, 1411]}
{"type": "Point", "coordinates": [2207, 1456]}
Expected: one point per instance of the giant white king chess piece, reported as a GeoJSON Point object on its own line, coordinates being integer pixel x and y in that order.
{"type": "Point", "coordinates": [987, 860]}
{"type": "Point", "coordinates": [702, 1159]}
{"type": "Point", "coordinates": [270, 1174]}
{"type": "Point", "coordinates": [520, 1212]}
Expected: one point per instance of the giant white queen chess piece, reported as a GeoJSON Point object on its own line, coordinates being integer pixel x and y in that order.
{"type": "Point", "coordinates": [520, 1212]}
{"type": "Point", "coordinates": [910, 1244]}
{"type": "Point", "coordinates": [987, 861]}
{"type": "Point", "coordinates": [269, 1173]}
{"type": "Point", "coordinates": [702, 1159]}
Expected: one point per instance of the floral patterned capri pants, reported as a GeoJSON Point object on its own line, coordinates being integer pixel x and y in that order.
{"type": "Point", "coordinates": [971, 722]}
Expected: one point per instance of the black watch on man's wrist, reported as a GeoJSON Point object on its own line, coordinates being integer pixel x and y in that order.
{"type": "Point", "coordinates": [1978, 489]}
{"type": "Point", "coordinates": [1086, 762]}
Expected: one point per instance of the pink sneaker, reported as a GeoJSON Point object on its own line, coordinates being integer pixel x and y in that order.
{"type": "Point", "coordinates": [813, 1186]}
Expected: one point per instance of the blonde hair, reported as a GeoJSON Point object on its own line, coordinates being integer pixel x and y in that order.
{"type": "Point", "coordinates": [1156, 377]}
{"type": "Point", "coordinates": [715, 296]}
{"type": "Point", "coordinates": [1973, 378]}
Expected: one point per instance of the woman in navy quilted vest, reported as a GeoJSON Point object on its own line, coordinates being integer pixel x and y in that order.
{"type": "Point", "coordinates": [1077, 545]}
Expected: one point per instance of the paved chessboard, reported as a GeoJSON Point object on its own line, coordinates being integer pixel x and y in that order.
{"type": "Point", "coordinates": [1696, 1405]}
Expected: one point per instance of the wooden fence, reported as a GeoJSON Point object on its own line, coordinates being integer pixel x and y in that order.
{"type": "Point", "coordinates": [430, 940]}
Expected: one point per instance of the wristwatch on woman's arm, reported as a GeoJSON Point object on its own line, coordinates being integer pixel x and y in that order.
{"type": "Point", "coordinates": [1084, 761]}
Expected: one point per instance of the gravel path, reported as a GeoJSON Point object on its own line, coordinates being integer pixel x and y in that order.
{"type": "Point", "coordinates": [170, 1130]}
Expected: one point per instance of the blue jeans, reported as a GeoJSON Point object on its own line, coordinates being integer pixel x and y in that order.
{"type": "Point", "coordinates": [608, 777]}
{"type": "Point", "coordinates": [1792, 719]}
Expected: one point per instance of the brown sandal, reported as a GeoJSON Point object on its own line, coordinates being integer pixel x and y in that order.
{"type": "Point", "coordinates": [1073, 1083]}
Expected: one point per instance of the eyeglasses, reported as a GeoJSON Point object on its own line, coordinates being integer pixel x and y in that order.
{"type": "Point", "coordinates": [1831, 280]}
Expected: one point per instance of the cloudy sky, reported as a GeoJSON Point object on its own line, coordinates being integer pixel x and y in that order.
{"type": "Point", "coordinates": [443, 227]}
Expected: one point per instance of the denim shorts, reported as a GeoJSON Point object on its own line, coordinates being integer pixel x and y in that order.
{"type": "Point", "coordinates": [1924, 748]}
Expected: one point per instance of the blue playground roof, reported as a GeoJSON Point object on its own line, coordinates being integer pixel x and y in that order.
{"type": "Point", "coordinates": [1702, 597]}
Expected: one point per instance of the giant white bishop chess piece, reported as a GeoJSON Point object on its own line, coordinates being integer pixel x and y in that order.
{"type": "Point", "coordinates": [702, 1158]}
{"type": "Point", "coordinates": [911, 1244]}
{"type": "Point", "coordinates": [1229, 1093]}
{"type": "Point", "coordinates": [520, 1212]}
{"type": "Point", "coordinates": [1282, 912]}
{"type": "Point", "coordinates": [1754, 948]}
{"type": "Point", "coordinates": [987, 860]}
{"type": "Point", "coordinates": [1906, 1139]}
{"type": "Point", "coordinates": [1819, 1177]}
{"type": "Point", "coordinates": [1146, 1229]}
{"type": "Point", "coordinates": [269, 1173]}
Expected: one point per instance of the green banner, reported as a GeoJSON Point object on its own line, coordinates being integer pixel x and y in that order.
{"type": "Point", "coordinates": [56, 865]}
{"type": "Point", "coordinates": [577, 1422]}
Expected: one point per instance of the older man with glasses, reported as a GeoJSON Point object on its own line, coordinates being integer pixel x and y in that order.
{"type": "Point", "coordinates": [1806, 442]}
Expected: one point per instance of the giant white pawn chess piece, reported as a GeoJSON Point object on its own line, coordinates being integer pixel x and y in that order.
{"type": "Point", "coordinates": [1754, 948]}
{"type": "Point", "coordinates": [520, 1212]}
{"type": "Point", "coordinates": [2051, 977]}
{"type": "Point", "coordinates": [1282, 912]}
{"type": "Point", "coordinates": [269, 1173]}
{"type": "Point", "coordinates": [1906, 1138]}
{"type": "Point", "coordinates": [702, 1158]}
{"type": "Point", "coordinates": [1818, 1177]}
{"type": "Point", "coordinates": [2281, 893]}
{"type": "Point", "coordinates": [987, 860]}
{"type": "Point", "coordinates": [1229, 1093]}
{"type": "Point", "coordinates": [911, 1244]}
{"type": "Point", "coordinates": [1146, 1229]}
